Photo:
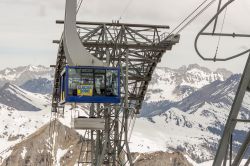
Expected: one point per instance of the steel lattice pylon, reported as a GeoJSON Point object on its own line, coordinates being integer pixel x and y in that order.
{"type": "Point", "coordinates": [136, 49]}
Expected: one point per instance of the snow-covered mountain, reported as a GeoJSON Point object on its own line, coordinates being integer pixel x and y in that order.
{"type": "Point", "coordinates": [219, 92]}
{"type": "Point", "coordinates": [40, 85]}
{"type": "Point", "coordinates": [176, 84]}
{"type": "Point", "coordinates": [185, 110]}
{"type": "Point", "coordinates": [193, 125]}
{"type": "Point", "coordinates": [20, 75]}
{"type": "Point", "coordinates": [37, 148]}
{"type": "Point", "coordinates": [26, 136]}
{"type": "Point", "coordinates": [21, 113]}
{"type": "Point", "coordinates": [15, 97]}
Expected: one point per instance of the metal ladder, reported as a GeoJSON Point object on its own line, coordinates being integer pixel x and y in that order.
{"type": "Point", "coordinates": [86, 153]}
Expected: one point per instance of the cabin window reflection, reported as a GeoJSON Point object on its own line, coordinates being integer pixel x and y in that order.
{"type": "Point", "coordinates": [80, 82]}
{"type": "Point", "coordinates": [112, 83]}
{"type": "Point", "coordinates": [92, 82]}
{"type": "Point", "coordinates": [100, 82]}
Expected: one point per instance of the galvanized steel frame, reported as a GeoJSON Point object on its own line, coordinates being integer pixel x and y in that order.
{"type": "Point", "coordinates": [136, 49]}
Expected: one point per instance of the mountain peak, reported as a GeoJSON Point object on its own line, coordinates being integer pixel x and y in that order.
{"type": "Point", "coordinates": [36, 148]}
{"type": "Point", "coordinates": [196, 66]}
{"type": "Point", "coordinates": [22, 74]}
{"type": "Point", "coordinates": [175, 84]}
{"type": "Point", "coordinates": [222, 71]}
{"type": "Point", "coordinates": [226, 73]}
{"type": "Point", "coordinates": [36, 68]}
{"type": "Point", "coordinates": [182, 69]}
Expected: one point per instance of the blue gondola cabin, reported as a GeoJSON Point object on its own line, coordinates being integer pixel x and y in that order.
{"type": "Point", "coordinates": [81, 84]}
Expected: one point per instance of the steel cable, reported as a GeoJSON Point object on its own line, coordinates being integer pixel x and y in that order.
{"type": "Point", "coordinates": [79, 6]}
{"type": "Point", "coordinates": [125, 9]}
{"type": "Point", "coordinates": [188, 17]}
{"type": "Point", "coordinates": [219, 39]}
{"type": "Point", "coordinates": [198, 14]}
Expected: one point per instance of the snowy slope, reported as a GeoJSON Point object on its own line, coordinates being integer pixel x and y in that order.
{"type": "Point", "coordinates": [195, 134]}
{"type": "Point", "coordinates": [23, 129]}
{"type": "Point", "coordinates": [21, 113]}
{"type": "Point", "coordinates": [174, 131]}
{"type": "Point", "coordinates": [20, 75]}
{"type": "Point", "coordinates": [176, 84]}
{"type": "Point", "coordinates": [188, 109]}
{"type": "Point", "coordinates": [13, 96]}
{"type": "Point", "coordinates": [210, 162]}
{"type": "Point", "coordinates": [220, 93]}
{"type": "Point", "coordinates": [40, 85]}
{"type": "Point", "coordinates": [193, 125]}
{"type": "Point", "coordinates": [36, 149]}
{"type": "Point", "coordinates": [19, 124]}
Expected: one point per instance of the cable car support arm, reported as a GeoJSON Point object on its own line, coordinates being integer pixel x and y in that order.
{"type": "Point", "coordinates": [134, 48]}
{"type": "Point", "coordinates": [202, 33]}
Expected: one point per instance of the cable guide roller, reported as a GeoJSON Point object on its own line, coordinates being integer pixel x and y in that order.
{"type": "Point", "coordinates": [90, 84]}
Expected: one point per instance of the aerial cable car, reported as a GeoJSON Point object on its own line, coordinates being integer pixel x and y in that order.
{"type": "Point", "coordinates": [90, 84]}
{"type": "Point", "coordinates": [85, 79]}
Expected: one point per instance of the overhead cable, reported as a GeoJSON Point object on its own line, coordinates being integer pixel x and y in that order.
{"type": "Point", "coordinates": [219, 39]}
{"type": "Point", "coordinates": [197, 15]}
{"type": "Point", "coordinates": [79, 6]}
{"type": "Point", "coordinates": [190, 18]}
{"type": "Point", "coordinates": [125, 9]}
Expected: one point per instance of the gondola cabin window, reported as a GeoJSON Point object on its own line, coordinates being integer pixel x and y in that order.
{"type": "Point", "coordinates": [80, 82]}
{"type": "Point", "coordinates": [90, 85]}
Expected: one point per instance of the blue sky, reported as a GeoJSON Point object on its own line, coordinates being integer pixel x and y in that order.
{"type": "Point", "coordinates": [27, 28]}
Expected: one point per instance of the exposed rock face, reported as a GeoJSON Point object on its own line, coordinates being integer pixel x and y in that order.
{"type": "Point", "coordinates": [40, 85]}
{"type": "Point", "coordinates": [22, 74]}
{"type": "Point", "coordinates": [160, 159]}
{"type": "Point", "coordinates": [176, 84]}
{"type": "Point", "coordinates": [218, 92]}
{"type": "Point", "coordinates": [15, 97]}
{"type": "Point", "coordinates": [22, 100]}
{"type": "Point", "coordinates": [36, 149]}
{"type": "Point", "coordinates": [193, 125]}
{"type": "Point", "coordinates": [187, 100]}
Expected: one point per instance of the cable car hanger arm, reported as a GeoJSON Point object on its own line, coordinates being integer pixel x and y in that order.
{"type": "Point", "coordinates": [76, 54]}
{"type": "Point", "coordinates": [218, 34]}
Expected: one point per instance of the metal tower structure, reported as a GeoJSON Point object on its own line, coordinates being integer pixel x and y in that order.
{"type": "Point", "coordinates": [225, 150]}
{"type": "Point", "coordinates": [136, 49]}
